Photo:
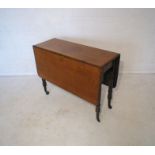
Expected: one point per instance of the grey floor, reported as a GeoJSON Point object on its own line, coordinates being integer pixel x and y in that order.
{"type": "Point", "coordinates": [29, 117]}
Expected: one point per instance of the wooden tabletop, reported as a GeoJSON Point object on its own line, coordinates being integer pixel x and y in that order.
{"type": "Point", "coordinates": [86, 54]}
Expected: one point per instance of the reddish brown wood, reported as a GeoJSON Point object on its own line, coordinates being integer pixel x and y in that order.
{"type": "Point", "coordinates": [77, 77]}
{"type": "Point", "coordinates": [86, 54]}
{"type": "Point", "coordinates": [77, 68]}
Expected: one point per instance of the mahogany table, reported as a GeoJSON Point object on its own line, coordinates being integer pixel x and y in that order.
{"type": "Point", "coordinates": [78, 69]}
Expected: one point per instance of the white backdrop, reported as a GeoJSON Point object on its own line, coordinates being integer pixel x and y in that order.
{"type": "Point", "coordinates": [128, 31]}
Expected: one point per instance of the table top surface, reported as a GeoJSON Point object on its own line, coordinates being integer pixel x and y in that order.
{"type": "Point", "coordinates": [86, 54]}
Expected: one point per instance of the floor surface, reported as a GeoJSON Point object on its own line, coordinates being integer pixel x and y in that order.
{"type": "Point", "coordinates": [29, 117]}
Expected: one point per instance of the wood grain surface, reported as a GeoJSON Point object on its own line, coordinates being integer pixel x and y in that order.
{"type": "Point", "coordinates": [79, 78]}
{"type": "Point", "coordinates": [86, 54]}
{"type": "Point", "coordinates": [76, 68]}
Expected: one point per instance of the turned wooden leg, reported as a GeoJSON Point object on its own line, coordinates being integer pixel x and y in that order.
{"type": "Point", "coordinates": [109, 97]}
{"type": "Point", "coordinates": [45, 86]}
{"type": "Point", "coordinates": [98, 113]}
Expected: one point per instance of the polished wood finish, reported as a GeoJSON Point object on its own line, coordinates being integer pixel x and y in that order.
{"type": "Point", "coordinates": [77, 68]}
{"type": "Point", "coordinates": [82, 53]}
{"type": "Point", "coordinates": [74, 76]}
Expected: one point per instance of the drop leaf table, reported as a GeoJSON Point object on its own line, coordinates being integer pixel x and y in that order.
{"type": "Point", "coordinates": [77, 68]}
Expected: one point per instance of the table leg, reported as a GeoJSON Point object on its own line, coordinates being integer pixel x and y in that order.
{"type": "Point", "coordinates": [98, 113]}
{"type": "Point", "coordinates": [113, 80]}
{"type": "Point", "coordinates": [109, 78]}
{"type": "Point", "coordinates": [109, 97]}
{"type": "Point", "coordinates": [98, 104]}
{"type": "Point", "coordinates": [45, 86]}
